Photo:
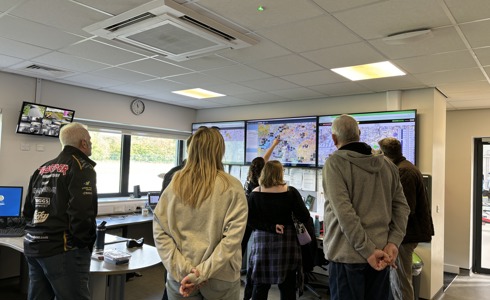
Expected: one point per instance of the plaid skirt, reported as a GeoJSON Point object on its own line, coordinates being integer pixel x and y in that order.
{"type": "Point", "coordinates": [273, 255]}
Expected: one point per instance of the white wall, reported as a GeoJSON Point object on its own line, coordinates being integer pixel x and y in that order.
{"type": "Point", "coordinates": [16, 166]}
{"type": "Point", "coordinates": [431, 114]}
{"type": "Point", "coordinates": [462, 128]}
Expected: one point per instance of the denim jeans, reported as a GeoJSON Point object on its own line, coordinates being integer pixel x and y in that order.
{"type": "Point", "coordinates": [64, 276]}
{"type": "Point", "coordinates": [358, 282]}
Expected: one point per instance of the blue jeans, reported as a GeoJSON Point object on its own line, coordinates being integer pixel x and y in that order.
{"type": "Point", "coordinates": [358, 282]}
{"type": "Point", "coordinates": [64, 276]}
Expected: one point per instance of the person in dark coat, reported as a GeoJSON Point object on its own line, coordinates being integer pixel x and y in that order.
{"type": "Point", "coordinates": [420, 227]}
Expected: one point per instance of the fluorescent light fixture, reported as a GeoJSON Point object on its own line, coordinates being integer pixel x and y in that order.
{"type": "Point", "coordinates": [369, 71]}
{"type": "Point", "coordinates": [198, 93]}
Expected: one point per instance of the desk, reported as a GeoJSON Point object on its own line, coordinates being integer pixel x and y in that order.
{"type": "Point", "coordinates": [107, 280]}
{"type": "Point", "coordinates": [103, 274]}
{"type": "Point", "coordinates": [131, 226]}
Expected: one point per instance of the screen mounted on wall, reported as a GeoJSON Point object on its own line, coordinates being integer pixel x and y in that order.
{"type": "Point", "coordinates": [233, 133]}
{"type": "Point", "coordinates": [297, 136]}
{"type": "Point", "coordinates": [374, 126]}
{"type": "Point", "coordinates": [44, 120]}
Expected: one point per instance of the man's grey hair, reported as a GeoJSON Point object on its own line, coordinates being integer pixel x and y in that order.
{"type": "Point", "coordinates": [72, 134]}
{"type": "Point", "coordinates": [346, 129]}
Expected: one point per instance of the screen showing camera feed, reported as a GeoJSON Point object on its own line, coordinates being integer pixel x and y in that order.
{"type": "Point", "coordinates": [374, 127]}
{"type": "Point", "coordinates": [297, 140]}
{"type": "Point", "coordinates": [233, 133]}
{"type": "Point", "coordinates": [43, 120]}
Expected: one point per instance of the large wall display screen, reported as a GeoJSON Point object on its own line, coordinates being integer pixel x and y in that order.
{"type": "Point", "coordinates": [297, 136]}
{"type": "Point", "coordinates": [374, 127]}
{"type": "Point", "coordinates": [233, 133]}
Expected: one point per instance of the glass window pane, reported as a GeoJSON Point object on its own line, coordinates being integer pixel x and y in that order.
{"type": "Point", "coordinates": [106, 152]}
{"type": "Point", "coordinates": [150, 157]}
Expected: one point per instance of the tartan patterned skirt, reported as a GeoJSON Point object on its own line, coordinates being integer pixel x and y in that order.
{"type": "Point", "coordinates": [273, 255]}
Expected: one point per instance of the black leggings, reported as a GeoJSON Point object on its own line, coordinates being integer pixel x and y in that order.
{"type": "Point", "coordinates": [287, 288]}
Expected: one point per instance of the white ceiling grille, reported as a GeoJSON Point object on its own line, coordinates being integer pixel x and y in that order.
{"type": "Point", "coordinates": [171, 29]}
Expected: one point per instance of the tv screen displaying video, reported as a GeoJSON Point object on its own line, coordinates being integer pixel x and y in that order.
{"type": "Point", "coordinates": [44, 120]}
{"type": "Point", "coordinates": [297, 146]}
{"type": "Point", "coordinates": [374, 126]}
{"type": "Point", "coordinates": [233, 133]}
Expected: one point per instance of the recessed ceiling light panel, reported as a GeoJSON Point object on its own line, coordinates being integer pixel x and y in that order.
{"type": "Point", "coordinates": [369, 71]}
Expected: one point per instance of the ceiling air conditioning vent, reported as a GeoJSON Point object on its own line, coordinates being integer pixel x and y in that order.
{"type": "Point", "coordinates": [129, 22]}
{"type": "Point", "coordinates": [171, 29]}
{"type": "Point", "coordinates": [40, 70]}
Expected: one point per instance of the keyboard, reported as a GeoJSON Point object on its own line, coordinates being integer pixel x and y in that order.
{"type": "Point", "coordinates": [12, 232]}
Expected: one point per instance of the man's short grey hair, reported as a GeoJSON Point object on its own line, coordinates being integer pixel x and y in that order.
{"type": "Point", "coordinates": [346, 129]}
{"type": "Point", "coordinates": [72, 134]}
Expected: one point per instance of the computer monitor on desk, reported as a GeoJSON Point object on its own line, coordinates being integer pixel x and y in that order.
{"type": "Point", "coordinates": [10, 201]}
{"type": "Point", "coordinates": [153, 198]}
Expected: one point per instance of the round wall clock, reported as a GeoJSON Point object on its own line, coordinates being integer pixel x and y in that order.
{"type": "Point", "coordinates": [137, 106]}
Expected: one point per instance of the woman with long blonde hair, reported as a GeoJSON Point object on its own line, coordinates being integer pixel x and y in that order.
{"type": "Point", "coordinates": [199, 223]}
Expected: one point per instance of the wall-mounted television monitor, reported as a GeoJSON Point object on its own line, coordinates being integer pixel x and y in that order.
{"type": "Point", "coordinates": [43, 120]}
{"type": "Point", "coordinates": [297, 147]}
{"type": "Point", "coordinates": [374, 126]}
{"type": "Point", "coordinates": [233, 133]}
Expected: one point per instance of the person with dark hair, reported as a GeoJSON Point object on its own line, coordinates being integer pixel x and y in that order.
{"type": "Point", "coordinates": [419, 227]}
{"type": "Point", "coordinates": [252, 182]}
{"type": "Point", "coordinates": [365, 216]}
{"type": "Point", "coordinates": [170, 174]}
{"type": "Point", "coordinates": [202, 255]}
{"type": "Point", "coordinates": [60, 210]}
{"type": "Point", "coordinates": [275, 256]}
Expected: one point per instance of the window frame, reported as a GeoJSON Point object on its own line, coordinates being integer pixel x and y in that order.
{"type": "Point", "coordinates": [125, 162]}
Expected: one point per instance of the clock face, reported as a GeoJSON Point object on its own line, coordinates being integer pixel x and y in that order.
{"type": "Point", "coordinates": [137, 107]}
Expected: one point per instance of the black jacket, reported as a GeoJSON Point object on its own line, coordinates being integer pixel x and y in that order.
{"type": "Point", "coordinates": [419, 227]}
{"type": "Point", "coordinates": [61, 205]}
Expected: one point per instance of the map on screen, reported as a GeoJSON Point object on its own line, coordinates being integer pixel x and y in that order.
{"type": "Point", "coordinates": [233, 133]}
{"type": "Point", "coordinates": [297, 146]}
{"type": "Point", "coordinates": [374, 127]}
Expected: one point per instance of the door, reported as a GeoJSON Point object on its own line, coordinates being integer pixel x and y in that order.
{"type": "Point", "coordinates": [481, 207]}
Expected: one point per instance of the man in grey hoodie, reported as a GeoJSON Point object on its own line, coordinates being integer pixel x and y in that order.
{"type": "Point", "coordinates": [365, 216]}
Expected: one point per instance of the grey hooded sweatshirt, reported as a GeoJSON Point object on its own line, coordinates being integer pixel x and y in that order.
{"type": "Point", "coordinates": [364, 204]}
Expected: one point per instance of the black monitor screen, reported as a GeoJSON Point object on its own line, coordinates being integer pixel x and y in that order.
{"type": "Point", "coordinates": [233, 133]}
{"type": "Point", "coordinates": [298, 140]}
{"type": "Point", "coordinates": [374, 127]}
{"type": "Point", "coordinates": [10, 201]}
{"type": "Point", "coordinates": [45, 120]}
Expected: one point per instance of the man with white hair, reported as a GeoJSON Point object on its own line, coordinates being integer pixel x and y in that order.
{"type": "Point", "coordinates": [365, 216]}
{"type": "Point", "coordinates": [60, 210]}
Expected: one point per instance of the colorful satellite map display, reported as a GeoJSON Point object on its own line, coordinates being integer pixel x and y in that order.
{"type": "Point", "coordinates": [297, 146]}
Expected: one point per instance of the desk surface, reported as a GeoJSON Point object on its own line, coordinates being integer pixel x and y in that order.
{"type": "Point", "coordinates": [123, 220]}
{"type": "Point", "coordinates": [144, 257]}
{"type": "Point", "coordinates": [141, 258]}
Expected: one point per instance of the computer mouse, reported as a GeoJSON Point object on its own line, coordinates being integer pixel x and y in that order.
{"type": "Point", "coordinates": [135, 243]}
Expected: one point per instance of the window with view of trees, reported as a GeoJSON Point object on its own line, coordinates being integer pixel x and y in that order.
{"type": "Point", "coordinates": [127, 160]}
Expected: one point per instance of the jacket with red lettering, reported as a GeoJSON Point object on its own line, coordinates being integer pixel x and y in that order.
{"type": "Point", "coordinates": [61, 205]}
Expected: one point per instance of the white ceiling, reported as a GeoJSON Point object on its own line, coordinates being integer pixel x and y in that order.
{"type": "Point", "coordinates": [298, 43]}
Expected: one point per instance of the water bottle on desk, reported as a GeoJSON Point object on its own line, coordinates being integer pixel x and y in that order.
{"type": "Point", "coordinates": [100, 239]}
{"type": "Point", "coordinates": [317, 225]}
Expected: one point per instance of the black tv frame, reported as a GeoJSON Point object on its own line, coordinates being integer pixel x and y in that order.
{"type": "Point", "coordinates": [43, 125]}
{"type": "Point", "coordinates": [320, 164]}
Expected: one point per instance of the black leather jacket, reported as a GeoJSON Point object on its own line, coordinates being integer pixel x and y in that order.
{"type": "Point", "coordinates": [61, 205]}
